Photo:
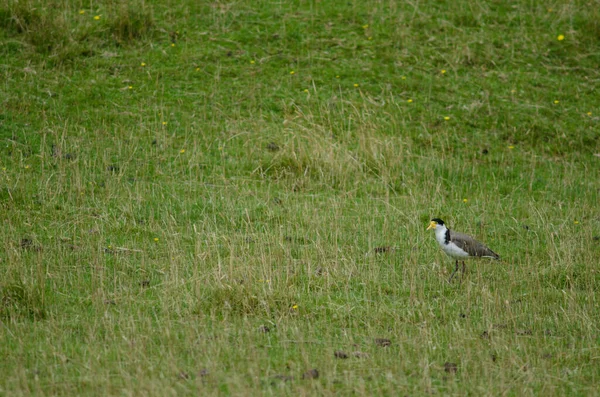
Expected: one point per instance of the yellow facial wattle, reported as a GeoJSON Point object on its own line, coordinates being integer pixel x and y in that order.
{"type": "Point", "coordinates": [432, 225]}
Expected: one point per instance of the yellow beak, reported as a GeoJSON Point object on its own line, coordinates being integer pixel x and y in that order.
{"type": "Point", "coordinates": [432, 225]}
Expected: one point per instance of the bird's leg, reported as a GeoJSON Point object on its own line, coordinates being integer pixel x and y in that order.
{"type": "Point", "coordinates": [454, 272]}
{"type": "Point", "coordinates": [462, 274]}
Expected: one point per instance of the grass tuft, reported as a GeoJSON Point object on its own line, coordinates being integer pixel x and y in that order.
{"type": "Point", "coordinates": [131, 23]}
{"type": "Point", "coordinates": [45, 31]}
{"type": "Point", "coordinates": [67, 34]}
{"type": "Point", "coordinates": [18, 302]}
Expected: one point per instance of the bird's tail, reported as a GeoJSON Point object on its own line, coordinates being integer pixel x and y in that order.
{"type": "Point", "coordinates": [492, 255]}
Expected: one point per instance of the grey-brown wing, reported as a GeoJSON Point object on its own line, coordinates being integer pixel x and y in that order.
{"type": "Point", "coordinates": [472, 246]}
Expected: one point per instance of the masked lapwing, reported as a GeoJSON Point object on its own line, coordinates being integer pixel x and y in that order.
{"type": "Point", "coordinates": [459, 246]}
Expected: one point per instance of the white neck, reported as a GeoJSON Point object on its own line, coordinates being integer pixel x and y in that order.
{"type": "Point", "coordinates": [440, 234]}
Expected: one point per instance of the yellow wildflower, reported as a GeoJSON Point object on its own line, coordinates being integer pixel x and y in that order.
{"type": "Point", "coordinates": [409, 101]}
{"type": "Point", "coordinates": [156, 239]}
{"type": "Point", "coordinates": [576, 222]}
{"type": "Point", "coordinates": [143, 64]}
{"type": "Point", "coordinates": [97, 17]}
{"type": "Point", "coordinates": [252, 62]}
{"type": "Point", "coordinates": [182, 151]}
{"type": "Point", "coordinates": [81, 12]}
{"type": "Point", "coordinates": [443, 71]}
{"type": "Point", "coordinates": [511, 147]}
{"type": "Point", "coordinates": [446, 118]}
{"type": "Point", "coordinates": [465, 200]}
{"type": "Point", "coordinates": [355, 85]}
{"type": "Point", "coordinates": [295, 307]}
{"type": "Point", "coordinates": [164, 123]}
{"type": "Point", "coordinates": [365, 26]}
{"type": "Point", "coordinates": [556, 102]}
{"type": "Point", "coordinates": [560, 37]}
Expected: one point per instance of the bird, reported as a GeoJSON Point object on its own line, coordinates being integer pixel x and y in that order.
{"type": "Point", "coordinates": [459, 246]}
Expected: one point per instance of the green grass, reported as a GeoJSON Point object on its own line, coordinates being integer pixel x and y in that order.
{"type": "Point", "coordinates": [170, 190]}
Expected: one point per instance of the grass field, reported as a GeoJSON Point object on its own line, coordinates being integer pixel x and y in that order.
{"type": "Point", "coordinates": [193, 194]}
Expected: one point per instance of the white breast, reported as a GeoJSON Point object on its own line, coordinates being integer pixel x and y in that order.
{"type": "Point", "coordinates": [451, 249]}
{"type": "Point", "coordinates": [454, 251]}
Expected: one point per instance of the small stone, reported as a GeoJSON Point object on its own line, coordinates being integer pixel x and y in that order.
{"type": "Point", "coordinates": [311, 374]}
{"type": "Point", "coordinates": [450, 367]}
{"type": "Point", "coordinates": [524, 332]}
{"type": "Point", "coordinates": [320, 271]}
{"type": "Point", "coordinates": [272, 147]}
{"type": "Point", "coordinates": [383, 342]}
{"type": "Point", "coordinates": [384, 250]}
{"type": "Point", "coordinates": [283, 378]}
{"type": "Point", "coordinates": [26, 243]}
{"type": "Point", "coordinates": [203, 372]}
